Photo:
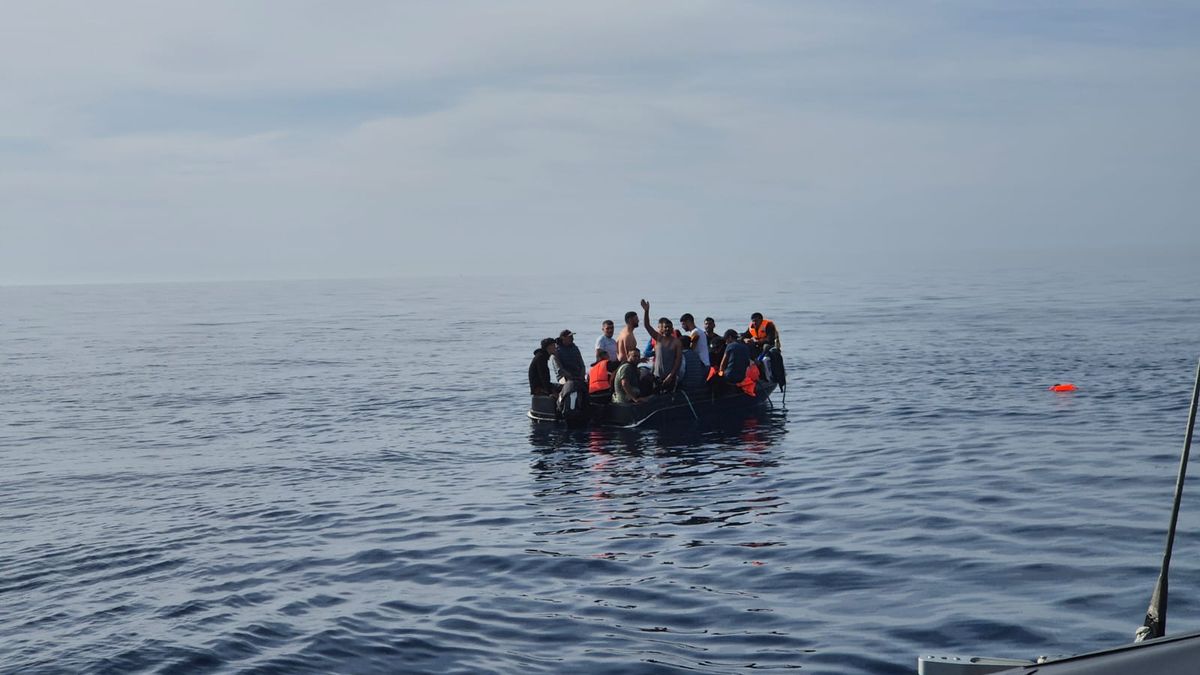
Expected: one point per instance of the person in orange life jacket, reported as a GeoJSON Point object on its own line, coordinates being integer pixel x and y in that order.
{"type": "Point", "coordinates": [736, 361]}
{"type": "Point", "coordinates": [600, 374]}
{"type": "Point", "coordinates": [748, 385]}
{"type": "Point", "coordinates": [667, 352]}
{"type": "Point", "coordinates": [762, 335]}
{"type": "Point", "coordinates": [625, 385]}
{"type": "Point", "coordinates": [539, 370]}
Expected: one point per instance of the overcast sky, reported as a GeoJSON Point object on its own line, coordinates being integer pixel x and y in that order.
{"type": "Point", "coordinates": [243, 140]}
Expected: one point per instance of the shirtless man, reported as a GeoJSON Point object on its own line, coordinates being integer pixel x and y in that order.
{"type": "Point", "coordinates": [668, 352]}
{"type": "Point", "coordinates": [626, 339]}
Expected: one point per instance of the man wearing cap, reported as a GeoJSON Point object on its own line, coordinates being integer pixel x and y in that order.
{"type": "Point", "coordinates": [568, 362]}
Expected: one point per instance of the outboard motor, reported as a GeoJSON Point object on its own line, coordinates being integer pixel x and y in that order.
{"type": "Point", "coordinates": [778, 376]}
{"type": "Point", "coordinates": [572, 403]}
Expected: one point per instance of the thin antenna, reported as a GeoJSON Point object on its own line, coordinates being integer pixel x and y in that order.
{"type": "Point", "coordinates": [1155, 625]}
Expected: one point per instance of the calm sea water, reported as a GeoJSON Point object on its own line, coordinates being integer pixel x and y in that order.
{"type": "Point", "coordinates": [339, 477]}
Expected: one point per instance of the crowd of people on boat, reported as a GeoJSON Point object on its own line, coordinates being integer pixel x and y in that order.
{"type": "Point", "coordinates": [685, 358]}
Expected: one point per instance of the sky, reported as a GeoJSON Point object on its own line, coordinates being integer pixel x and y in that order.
{"type": "Point", "coordinates": [154, 141]}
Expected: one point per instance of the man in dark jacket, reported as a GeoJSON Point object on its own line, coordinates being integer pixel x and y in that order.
{"type": "Point", "coordinates": [571, 371]}
{"type": "Point", "coordinates": [736, 359]}
{"type": "Point", "coordinates": [568, 361]}
{"type": "Point", "coordinates": [539, 370]}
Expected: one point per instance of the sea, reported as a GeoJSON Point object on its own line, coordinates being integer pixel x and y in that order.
{"type": "Point", "coordinates": [340, 476]}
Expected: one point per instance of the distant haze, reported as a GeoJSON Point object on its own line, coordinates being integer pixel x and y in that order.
{"type": "Point", "coordinates": [232, 140]}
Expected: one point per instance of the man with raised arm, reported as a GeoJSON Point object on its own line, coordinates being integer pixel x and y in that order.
{"type": "Point", "coordinates": [667, 352]}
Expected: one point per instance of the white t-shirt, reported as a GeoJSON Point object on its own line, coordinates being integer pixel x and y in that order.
{"type": "Point", "coordinates": [607, 344]}
{"type": "Point", "coordinates": [700, 345]}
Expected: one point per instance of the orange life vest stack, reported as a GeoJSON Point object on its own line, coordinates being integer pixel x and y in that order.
{"type": "Point", "coordinates": [747, 385]}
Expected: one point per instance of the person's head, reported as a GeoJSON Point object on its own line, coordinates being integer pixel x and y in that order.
{"type": "Point", "coordinates": [665, 326]}
{"type": "Point", "coordinates": [709, 324]}
{"type": "Point", "coordinates": [607, 327]}
{"type": "Point", "coordinates": [687, 321]}
{"type": "Point", "coordinates": [633, 355]}
{"type": "Point", "coordinates": [549, 345]}
{"type": "Point", "coordinates": [631, 320]}
{"type": "Point", "coordinates": [731, 335]}
{"type": "Point", "coordinates": [686, 341]}
{"type": "Point", "coordinates": [756, 319]}
{"type": "Point", "coordinates": [566, 337]}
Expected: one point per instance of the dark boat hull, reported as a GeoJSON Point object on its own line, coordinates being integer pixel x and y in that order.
{"type": "Point", "coordinates": [670, 408]}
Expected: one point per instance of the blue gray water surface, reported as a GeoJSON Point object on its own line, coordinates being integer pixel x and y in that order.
{"type": "Point", "coordinates": [340, 477]}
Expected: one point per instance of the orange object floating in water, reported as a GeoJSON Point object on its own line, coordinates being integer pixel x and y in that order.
{"type": "Point", "coordinates": [1065, 386]}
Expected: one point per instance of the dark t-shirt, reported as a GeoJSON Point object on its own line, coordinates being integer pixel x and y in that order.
{"type": "Point", "coordinates": [739, 358]}
{"type": "Point", "coordinates": [716, 349]}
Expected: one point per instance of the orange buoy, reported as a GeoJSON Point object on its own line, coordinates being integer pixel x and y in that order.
{"type": "Point", "coordinates": [1065, 386]}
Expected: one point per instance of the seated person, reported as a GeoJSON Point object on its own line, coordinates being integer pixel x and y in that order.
{"type": "Point", "coordinates": [539, 370]}
{"type": "Point", "coordinates": [600, 374]}
{"type": "Point", "coordinates": [736, 360]}
{"type": "Point", "coordinates": [762, 335]}
{"type": "Point", "coordinates": [625, 384]}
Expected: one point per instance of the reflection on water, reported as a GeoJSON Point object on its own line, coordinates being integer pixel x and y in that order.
{"type": "Point", "coordinates": [723, 444]}
{"type": "Point", "coordinates": [598, 487]}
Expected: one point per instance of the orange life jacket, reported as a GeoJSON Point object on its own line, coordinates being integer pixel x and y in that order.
{"type": "Point", "coordinates": [747, 384]}
{"type": "Point", "coordinates": [599, 379]}
{"type": "Point", "coordinates": [760, 333]}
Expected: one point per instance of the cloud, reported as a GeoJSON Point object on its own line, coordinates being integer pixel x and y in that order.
{"type": "Point", "coordinates": [206, 140]}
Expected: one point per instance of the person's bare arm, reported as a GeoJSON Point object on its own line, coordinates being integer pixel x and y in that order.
{"type": "Point", "coordinates": [646, 320]}
{"type": "Point", "coordinates": [724, 362]}
{"type": "Point", "coordinates": [622, 349]}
